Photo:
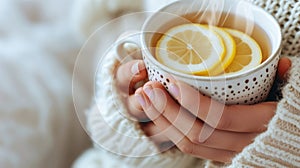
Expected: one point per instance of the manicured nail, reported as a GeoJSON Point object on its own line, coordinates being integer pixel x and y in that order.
{"type": "Point", "coordinates": [205, 133]}
{"type": "Point", "coordinates": [202, 139]}
{"type": "Point", "coordinates": [174, 90]}
{"type": "Point", "coordinates": [140, 99]}
{"type": "Point", "coordinates": [135, 68]}
{"type": "Point", "coordinates": [149, 92]}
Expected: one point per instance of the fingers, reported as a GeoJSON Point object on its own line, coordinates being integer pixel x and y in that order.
{"type": "Point", "coordinates": [188, 125]}
{"type": "Point", "coordinates": [135, 109]}
{"type": "Point", "coordinates": [130, 74]}
{"type": "Point", "coordinates": [155, 134]}
{"type": "Point", "coordinates": [205, 152]}
{"type": "Point", "coordinates": [163, 103]}
{"type": "Point", "coordinates": [225, 140]}
{"type": "Point", "coordinates": [238, 118]}
{"type": "Point", "coordinates": [283, 66]}
{"type": "Point", "coordinates": [177, 137]}
{"type": "Point", "coordinates": [170, 131]}
{"type": "Point", "coordinates": [247, 118]}
{"type": "Point", "coordinates": [129, 77]}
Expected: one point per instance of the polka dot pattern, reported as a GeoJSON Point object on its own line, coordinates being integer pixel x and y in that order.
{"type": "Point", "coordinates": [246, 89]}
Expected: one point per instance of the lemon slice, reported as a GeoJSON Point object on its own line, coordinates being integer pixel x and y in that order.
{"type": "Point", "coordinates": [248, 53]}
{"type": "Point", "coordinates": [230, 47]}
{"type": "Point", "coordinates": [190, 48]}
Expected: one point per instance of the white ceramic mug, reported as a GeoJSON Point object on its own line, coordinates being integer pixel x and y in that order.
{"type": "Point", "coordinates": [249, 87]}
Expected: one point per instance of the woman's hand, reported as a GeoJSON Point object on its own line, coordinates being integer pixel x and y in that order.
{"type": "Point", "coordinates": [198, 125]}
{"type": "Point", "coordinates": [187, 117]}
{"type": "Point", "coordinates": [193, 124]}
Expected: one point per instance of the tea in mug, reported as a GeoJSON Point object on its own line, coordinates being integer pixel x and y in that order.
{"type": "Point", "coordinates": [206, 47]}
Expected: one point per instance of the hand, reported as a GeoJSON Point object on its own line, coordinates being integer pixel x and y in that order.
{"type": "Point", "coordinates": [190, 120]}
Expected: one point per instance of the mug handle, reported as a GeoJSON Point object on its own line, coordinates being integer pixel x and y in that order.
{"type": "Point", "coordinates": [129, 42]}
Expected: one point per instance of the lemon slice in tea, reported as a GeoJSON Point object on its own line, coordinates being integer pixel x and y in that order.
{"type": "Point", "coordinates": [248, 53]}
{"type": "Point", "coordinates": [230, 47]}
{"type": "Point", "coordinates": [191, 48]}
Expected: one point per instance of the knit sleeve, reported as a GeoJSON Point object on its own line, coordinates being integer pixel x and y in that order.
{"type": "Point", "coordinates": [287, 14]}
{"type": "Point", "coordinates": [279, 146]}
{"type": "Point", "coordinates": [112, 129]}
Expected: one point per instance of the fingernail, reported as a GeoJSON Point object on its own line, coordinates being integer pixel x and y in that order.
{"type": "Point", "coordinates": [135, 68]}
{"type": "Point", "coordinates": [149, 92]}
{"type": "Point", "coordinates": [174, 90]}
{"type": "Point", "coordinates": [202, 139]}
{"type": "Point", "coordinates": [140, 99]}
{"type": "Point", "coordinates": [205, 133]}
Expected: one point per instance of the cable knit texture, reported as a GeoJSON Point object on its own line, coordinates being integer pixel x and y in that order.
{"type": "Point", "coordinates": [287, 13]}
{"type": "Point", "coordinates": [279, 146]}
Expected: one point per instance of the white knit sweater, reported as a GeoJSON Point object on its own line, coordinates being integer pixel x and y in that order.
{"type": "Point", "coordinates": [119, 140]}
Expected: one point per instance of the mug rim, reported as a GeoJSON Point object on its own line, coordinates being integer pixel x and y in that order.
{"type": "Point", "coordinates": [271, 57]}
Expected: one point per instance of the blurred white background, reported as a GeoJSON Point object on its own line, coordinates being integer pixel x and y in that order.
{"type": "Point", "coordinates": [39, 43]}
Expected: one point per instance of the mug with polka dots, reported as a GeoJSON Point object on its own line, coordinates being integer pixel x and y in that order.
{"type": "Point", "coordinates": [247, 87]}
